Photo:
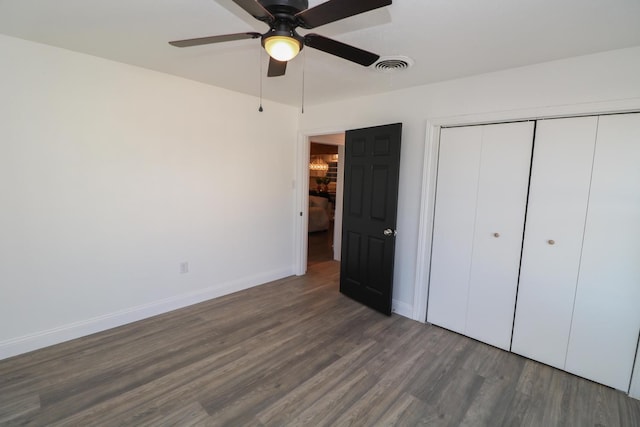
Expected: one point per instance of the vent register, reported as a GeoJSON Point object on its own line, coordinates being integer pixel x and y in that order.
{"type": "Point", "coordinates": [390, 64]}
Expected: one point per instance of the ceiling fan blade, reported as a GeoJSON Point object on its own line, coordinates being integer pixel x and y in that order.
{"type": "Point", "coordinates": [334, 10]}
{"type": "Point", "coordinates": [276, 68]}
{"type": "Point", "coordinates": [214, 39]}
{"type": "Point", "coordinates": [255, 9]}
{"type": "Point", "coordinates": [340, 49]}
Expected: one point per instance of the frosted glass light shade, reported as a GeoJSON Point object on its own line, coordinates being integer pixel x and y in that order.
{"type": "Point", "coordinates": [282, 48]}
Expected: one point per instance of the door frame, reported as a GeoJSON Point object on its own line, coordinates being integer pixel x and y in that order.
{"type": "Point", "coordinates": [430, 172]}
{"type": "Point", "coordinates": [301, 197]}
{"type": "Point", "coordinates": [429, 175]}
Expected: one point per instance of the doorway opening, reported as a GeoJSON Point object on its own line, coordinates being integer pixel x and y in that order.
{"type": "Point", "coordinates": [324, 198]}
{"type": "Point", "coordinates": [371, 170]}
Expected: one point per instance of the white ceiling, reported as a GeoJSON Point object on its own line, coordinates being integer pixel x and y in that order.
{"type": "Point", "coordinates": [447, 39]}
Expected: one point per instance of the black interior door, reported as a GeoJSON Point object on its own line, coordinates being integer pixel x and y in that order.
{"type": "Point", "coordinates": [372, 166]}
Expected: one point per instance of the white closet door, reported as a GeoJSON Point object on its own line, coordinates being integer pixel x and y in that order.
{"type": "Point", "coordinates": [502, 197]}
{"type": "Point", "coordinates": [558, 195]}
{"type": "Point", "coordinates": [456, 193]}
{"type": "Point", "coordinates": [634, 391]}
{"type": "Point", "coordinates": [606, 317]}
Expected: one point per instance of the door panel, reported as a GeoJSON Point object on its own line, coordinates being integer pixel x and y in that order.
{"type": "Point", "coordinates": [355, 186]}
{"type": "Point", "coordinates": [503, 181]}
{"type": "Point", "coordinates": [606, 318]}
{"type": "Point", "coordinates": [558, 195]}
{"type": "Point", "coordinates": [376, 248]}
{"type": "Point", "coordinates": [454, 221]}
{"type": "Point", "coordinates": [352, 251]}
{"type": "Point", "coordinates": [372, 166]}
{"type": "Point", "coordinates": [380, 176]}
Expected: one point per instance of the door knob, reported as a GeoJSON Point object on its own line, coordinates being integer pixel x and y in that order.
{"type": "Point", "coordinates": [496, 235]}
{"type": "Point", "coordinates": [389, 232]}
{"type": "Point", "coordinates": [551, 242]}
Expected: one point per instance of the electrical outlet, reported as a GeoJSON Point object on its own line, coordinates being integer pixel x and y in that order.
{"type": "Point", "coordinates": [184, 267]}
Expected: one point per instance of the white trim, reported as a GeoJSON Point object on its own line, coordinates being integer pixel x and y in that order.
{"type": "Point", "coordinates": [432, 144]}
{"type": "Point", "coordinates": [26, 343]}
{"type": "Point", "coordinates": [540, 113]}
{"type": "Point", "coordinates": [301, 196]}
{"type": "Point", "coordinates": [338, 208]}
{"type": "Point", "coordinates": [301, 187]}
{"type": "Point", "coordinates": [402, 308]}
{"type": "Point", "coordinates": [425, 228]}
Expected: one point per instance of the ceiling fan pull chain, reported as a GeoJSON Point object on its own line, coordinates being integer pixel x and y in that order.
{"type": "Point", "coordinates": [260, 109]}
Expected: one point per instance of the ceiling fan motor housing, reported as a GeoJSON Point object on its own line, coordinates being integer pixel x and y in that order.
{"type": "Point", "coordinates": [285, 22]}
{"type": "Point", "coordinates": [284, 6]}
{"type": "Point", "coordinates": [284, 29]}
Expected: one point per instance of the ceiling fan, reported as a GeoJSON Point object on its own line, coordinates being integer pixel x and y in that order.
{"type": "Point", "coordinates": [283, 43]}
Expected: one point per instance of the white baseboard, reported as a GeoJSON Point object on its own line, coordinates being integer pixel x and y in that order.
{"type": "Point", "coordinates": [402, 308]}
{"type": "Point", "coordinates": [26, 343]}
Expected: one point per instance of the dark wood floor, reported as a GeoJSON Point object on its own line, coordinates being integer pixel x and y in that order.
{"type": "Point", "coordinates": [294, 352]}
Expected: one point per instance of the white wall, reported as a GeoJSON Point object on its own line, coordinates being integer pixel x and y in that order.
{"type": "Point", "coordinates": [111, 176]}
{"type": "Point", "coordinates": [577, 85]}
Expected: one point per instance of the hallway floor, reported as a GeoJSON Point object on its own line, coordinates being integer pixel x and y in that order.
{"type": "Point", "coordinates": [320, 247]}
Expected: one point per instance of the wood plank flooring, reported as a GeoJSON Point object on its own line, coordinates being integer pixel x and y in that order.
{"type": "Point", "coordinates": [294, 352]}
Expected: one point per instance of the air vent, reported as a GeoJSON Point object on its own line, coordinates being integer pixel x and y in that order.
{"type": "Point", "coordinates": [390, 64]}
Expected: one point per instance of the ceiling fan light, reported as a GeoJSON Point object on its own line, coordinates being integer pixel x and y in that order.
{"type": "Point", "coordinates": [282, 48]}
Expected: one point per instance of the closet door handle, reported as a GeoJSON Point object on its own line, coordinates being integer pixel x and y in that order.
{"type": "Point", "coordinates": [496, 235]}
{"type": "Point", "coordinates": [551, 242]}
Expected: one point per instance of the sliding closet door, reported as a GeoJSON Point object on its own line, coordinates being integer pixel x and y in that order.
{"type": "Point", "coordinates": [456, 194]}
{"type": "Point", "coordinates": [606, 317]}
{"type": "Point", "coordinates": [501, 202]}
{"type": "Point", "coordinates": [481, 196]}
{"type": "Point", "coordinates": [558, 196]}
